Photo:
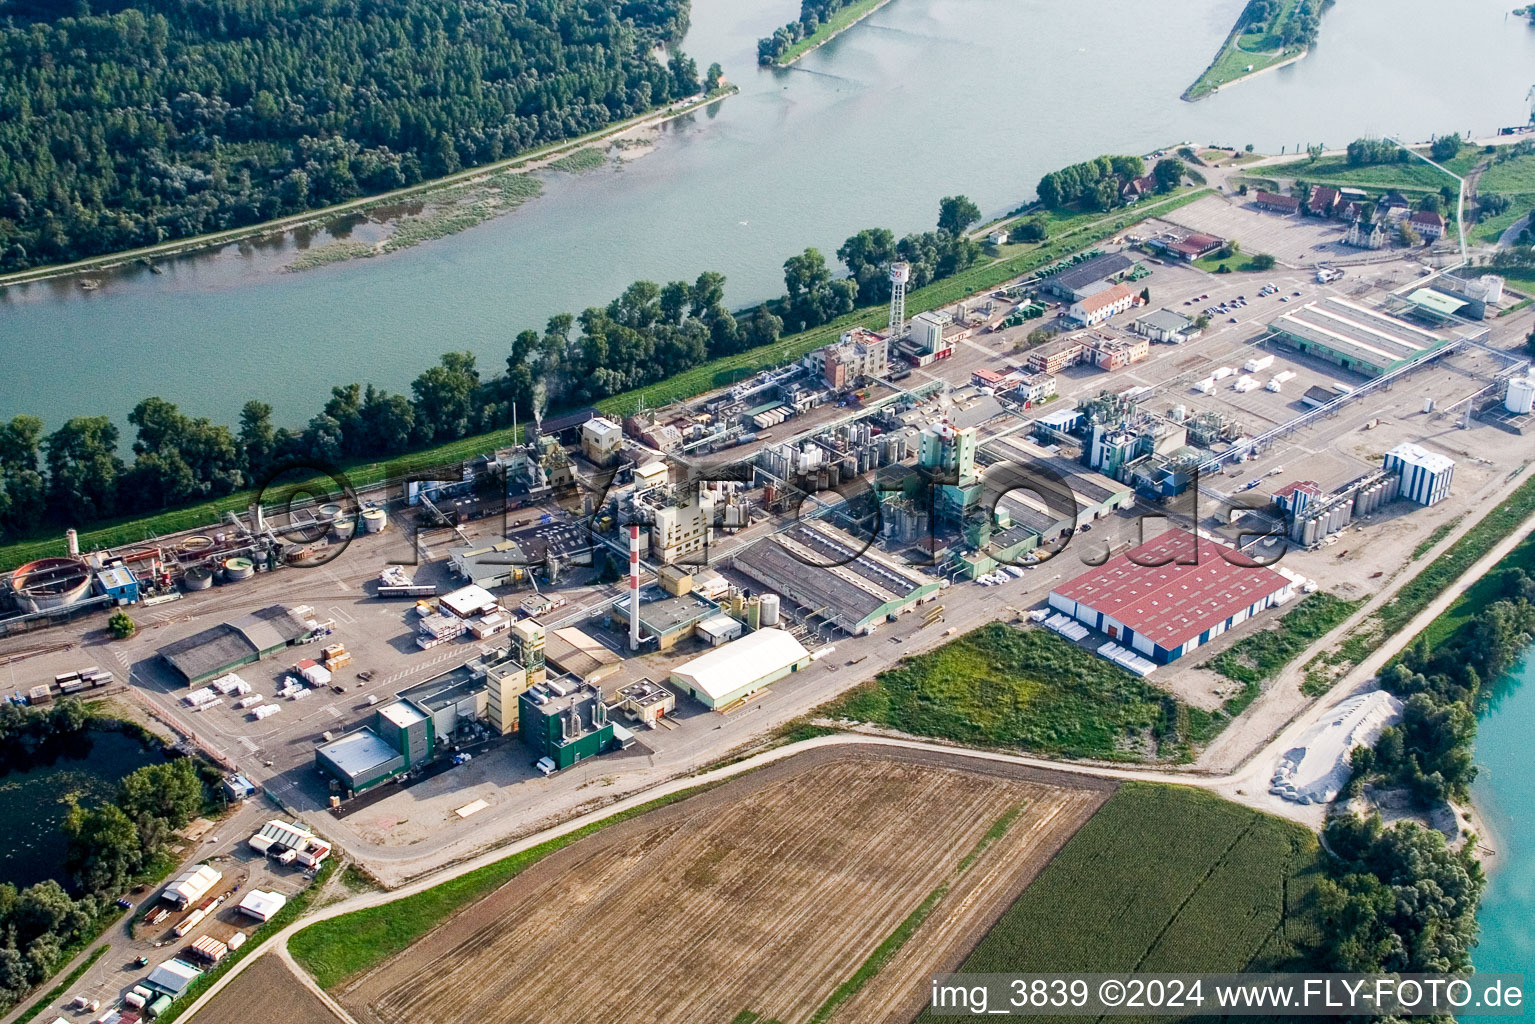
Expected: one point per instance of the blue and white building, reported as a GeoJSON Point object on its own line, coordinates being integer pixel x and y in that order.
{"type": "Point", "coordinates": [1425, 475]}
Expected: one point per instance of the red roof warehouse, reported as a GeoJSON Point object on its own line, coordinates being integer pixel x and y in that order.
{"type": "Point", "coordinates": [1164, 611]}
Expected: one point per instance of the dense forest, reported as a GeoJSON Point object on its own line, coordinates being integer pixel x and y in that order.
{"type": "Point", "coordinates": [112, 844]}
{"type": "Point", "coordinates": [77, 474]}
{"type": "Point", "coordinates": [124, 123]}
{"type": "Point", "coordinates": [1298, 27]}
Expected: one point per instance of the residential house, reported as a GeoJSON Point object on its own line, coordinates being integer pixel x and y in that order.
{"type": "Point", "coordinates": [1323, 201]}
{"type": "Point", "coordinates": [1365, 236]}
{"type": "Point", "coordinates": [1275, 203]}
{"type": "Point", "coordinates": [1430, 226]}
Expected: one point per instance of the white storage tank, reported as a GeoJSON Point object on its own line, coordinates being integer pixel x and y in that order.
{"type": "Point", "coordinates": [373, 520]}
{"type": "Point", "coordinates": [770, 607]}
{"type": "Point", "coordinates": [1521, 396]}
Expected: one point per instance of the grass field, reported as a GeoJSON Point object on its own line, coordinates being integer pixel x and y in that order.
{"type": "Point", "coordinates": [1164, 879]}
{"type": "Point", "coordinates": [1024, 688]}
{"type": "Point", "coordinates": [1490, 229]}
{"type": "Point", "coordinates": [717, 373]}
{"type": "Point", "coordinates": [1241, 263]}
{"type": "Point", "coordinates": [1414, 176]}
{"type": "Point", "coordinates": [782, 896]}
{"type": "Point", "coordinates": [1261, 656]}
{"type": "Point", "coordinates": [837, 23]}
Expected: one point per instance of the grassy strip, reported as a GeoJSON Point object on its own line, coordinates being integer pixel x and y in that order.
{"type": "Point", "coordinates": [290, 912]}
{"type": "Point", "coordinates": [342, 947]}
{"type": "Point", "coordinates": [717, 373]}
{"type": "Point", "coordinates": [581, 160]}
{"type": "Point", "coordinates": [1421, 590]}
{"type": "Point", "coordinates": [1261, 656]}
{"type": "Point", "coordinates": [839, 22]}
{"type": "Point", "coordinates": [1163, 879]}
{"type": "Point", "coordinates": [886, 950]}
{"type": "Point", "coordinates": [1432, 540]}
{"type": "Point", "coordinates": [1336, 170]}
{"type": "Point", "coordinates": [62, 987]}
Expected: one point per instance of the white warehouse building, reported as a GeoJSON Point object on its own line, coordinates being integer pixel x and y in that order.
{"type": "Point", "coordinates": [1426, 475]}
{"type": "Point", "coordinates": [740, 668]}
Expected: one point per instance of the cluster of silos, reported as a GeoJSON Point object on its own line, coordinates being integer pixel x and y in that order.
{"type": "Point", "coordinates": [1372, 496]}
{"type": "Point", "coordinates": [1312, 525]}
{"type": "Point", "coordinates": [904, 521]}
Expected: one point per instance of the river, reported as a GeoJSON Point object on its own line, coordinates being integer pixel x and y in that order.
{"type": "Point", "coordinates": [1505, 796]}
{"type": "Point", "coordinates": [924, 99]}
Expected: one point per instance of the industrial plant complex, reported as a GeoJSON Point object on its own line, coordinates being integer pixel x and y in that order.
{"type": "Point", "coordinates": [1120, 452]}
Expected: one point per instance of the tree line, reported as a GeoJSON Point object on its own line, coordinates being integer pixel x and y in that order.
{"type": "Point", "coordinates": [1101, 183]}
{"type": "Point", "coordinates": [1300, 27]}
{"type": "Point", "coordinates": [77, 474]}
{"type": "Point", "coordinates": [111, 844]}
{"type": "Point", "coordinates": [124, 123]}
{"type": "Point", "coordinates": [812, 13]}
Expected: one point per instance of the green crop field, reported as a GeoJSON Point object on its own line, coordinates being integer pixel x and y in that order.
{"type": "Point", "coordinates": [1026, 688]}
{"type": "Point", "coordinates": [1164, 879]}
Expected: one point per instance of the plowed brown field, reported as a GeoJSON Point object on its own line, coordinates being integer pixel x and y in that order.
{"type": "Point", "coordinates": [763, 895]}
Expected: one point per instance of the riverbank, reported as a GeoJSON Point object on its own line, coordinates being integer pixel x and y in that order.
{"type": "Point", "coordinates": [1234, 63]}
{"type": "Point", "coordinates": [364, 473]}
{"type": "Point", "coordinates": [840, 22]}
{"type": "Point", "coordinates": [532, 160]}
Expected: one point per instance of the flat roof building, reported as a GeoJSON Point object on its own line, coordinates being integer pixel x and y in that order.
{"type": "Point", "coordinates": [645, 701]}
{"type": "Point", "coordinates": [667, 618]}
{"type": "Point", "coordinates": [1426, 476]}
{"type": "Point", "coordinates": [838, 578]}
{"type": "Point", "coordinates": [172, 977]}
{"type": "Point", "coordinates": [263, 906]}
{"type": "Point", "coordinates": [735, 671]}
{"type": "Point", "coordinates": [359, 761]}
{"type": "Point", "coordinates": [1170, 595]}
{"type": "Point", "coordinates": [571, 652]}
{"type": "Point", "coordinates": [1356, 337]}
{"type": "Point", "coordinates": [564, 721]}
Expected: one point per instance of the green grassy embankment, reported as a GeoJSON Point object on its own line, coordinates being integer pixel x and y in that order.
{"type": "Point", "coordinates": [714, 374]}
{"type": "Point", "coordinates": [1164, 879]}
{"type": "Point", "coordinates": [342, 947]}
{"type": "Point", "coordinates": [834, 26]}
{"type": "Point", "coordinates": [1244, 54]}
{"type": "Point", "coordinates": [1026, 689]}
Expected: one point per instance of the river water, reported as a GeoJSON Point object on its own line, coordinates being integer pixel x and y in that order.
{"type": "Point", "coordinates": [924, 99]}
{"type": "Point", "coordinates": [1505, 795]}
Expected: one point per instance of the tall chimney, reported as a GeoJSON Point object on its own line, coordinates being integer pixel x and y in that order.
{"type": "Point", "coordinates": [634, 586]}
{"type": "Point", "coordinates": [72, 542]}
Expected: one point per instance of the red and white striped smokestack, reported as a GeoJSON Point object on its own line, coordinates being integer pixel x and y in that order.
{"type": "Point", "coordinates": [634, 586]}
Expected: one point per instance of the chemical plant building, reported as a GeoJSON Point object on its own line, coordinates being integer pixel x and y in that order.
{"type": "Point", "coordinates": [1426, 476]}
{"type": "Point", "coordinates": [665, 619]}
{"type": "Point", "coordinates": [1358, 338]}
{"type": "Point", "coordinates": [1166, 326]}
{"type": "Point", "coordinates": [237, 643]}
{"type": "Point", "coordinates": [838, 578]}
{"type": "Point", "coordinates": [565, 722]}
{"type": "Point", "coordinates": [728, 675]}
{"type": "Point", "coordinates": [1164, 611]}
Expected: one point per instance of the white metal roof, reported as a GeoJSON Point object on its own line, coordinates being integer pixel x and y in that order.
{"type": "Point", "coordinates": [263, 905]}
{"type": "Point", "coordinates": [193, 883]}
{"type": "Point", "coordinates": [1421, 457]}
{"type": "Point", "coordinates": [468, 600]}
{"type": "Point", "coordinates": [281, 833]}
{"type": "Point", "coordinates": [173, 976]}
{"type": "Point", "coordinates": [741, 661]}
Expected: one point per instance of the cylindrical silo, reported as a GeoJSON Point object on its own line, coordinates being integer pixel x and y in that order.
{"type": "Point", "coordinates": [770, 606]}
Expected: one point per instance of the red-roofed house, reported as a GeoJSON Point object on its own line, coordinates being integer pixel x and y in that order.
{"type": "Point", "coordinates": [1430, 226]}
{"type": "Point", "coordinates": [1323, 201]}
{"type": "Point", "coordinates": [1170, 595]}
{"type": "Point", "coordinates": [1102, 304]}
{"type": "Point", "coordinates": [1196, 246]}
{"type": "Point", "coordinates": [1275, 203]}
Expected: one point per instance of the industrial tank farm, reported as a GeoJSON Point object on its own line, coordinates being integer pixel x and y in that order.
{"type": "Point", "coordinates": [51, 583]}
